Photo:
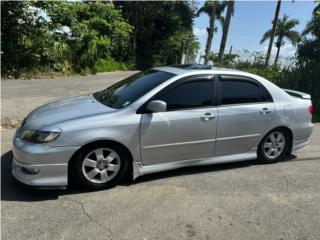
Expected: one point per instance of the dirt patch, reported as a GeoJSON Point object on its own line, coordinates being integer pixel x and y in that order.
{"type": "Point", "coordinates": [10, 123]}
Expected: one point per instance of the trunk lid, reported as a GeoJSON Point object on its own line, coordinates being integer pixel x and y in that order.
{"type": "Point", "coordinates": [298, 94]}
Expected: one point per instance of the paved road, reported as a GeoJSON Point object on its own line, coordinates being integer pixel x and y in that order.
{"type": "Point", "coordinates": [230, 201]}
{"type": "Point", "coordinates": [19, 97]}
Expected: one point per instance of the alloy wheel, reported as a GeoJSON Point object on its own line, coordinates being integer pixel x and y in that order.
{"type": "Point", "coordinates": [101, 165]}
{"type": "Point", "coordinates": [274, 145]}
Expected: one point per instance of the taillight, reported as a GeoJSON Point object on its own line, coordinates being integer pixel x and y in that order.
{"type": "Point", "coordinates": [311, 109]}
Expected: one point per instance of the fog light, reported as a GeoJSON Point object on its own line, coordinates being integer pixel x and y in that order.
{"type": "Point", "coordinates": [30, 170]}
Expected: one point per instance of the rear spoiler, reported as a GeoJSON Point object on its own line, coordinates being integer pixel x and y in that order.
{"type": "Point", "coordinates": [297, 94]}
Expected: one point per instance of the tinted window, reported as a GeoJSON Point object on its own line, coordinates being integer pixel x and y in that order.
{"type": "Point", "coordinates": [265, 96]}
{"type": "Point", "coordinates": [130, 89]}
{"type": "Point", "coordinates": [191, 94]}
{"type": "Point", "coordinates": [238, 91]}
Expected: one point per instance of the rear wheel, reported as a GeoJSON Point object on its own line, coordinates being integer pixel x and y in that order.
{"type": "Point", "coordinates": [100, 166]}
{"type": "Point", "coordinates": [273, 146]}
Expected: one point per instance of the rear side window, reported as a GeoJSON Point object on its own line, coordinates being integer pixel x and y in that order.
{"type": "Point", "coordinates": [238, 91]}
{"type": "Point", "coordinates": [265, 96]}
{"type": "Point", "coordinates": [190, 94]}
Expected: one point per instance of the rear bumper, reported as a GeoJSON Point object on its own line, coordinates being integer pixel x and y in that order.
{"type": "Point", "coordinates": [300, 144]}
{"type": "Point", "coordinates": [302, 136]}
{"type": "Point", "coordinates": [40, 165]}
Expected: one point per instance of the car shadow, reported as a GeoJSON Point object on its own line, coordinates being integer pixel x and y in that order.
{"type": "Point", "coordinates": [13, 191]}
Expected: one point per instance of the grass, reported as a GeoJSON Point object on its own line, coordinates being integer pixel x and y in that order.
{"type": "Point", "coordinates": [109, 65]}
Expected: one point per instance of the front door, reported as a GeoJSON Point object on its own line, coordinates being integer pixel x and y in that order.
{"type": "Point", "coordinates": [187, 130]}
{"type": "Point", "coordinates": [245, 113]}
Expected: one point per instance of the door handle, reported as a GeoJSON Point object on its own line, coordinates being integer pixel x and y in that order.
{"type": "Point", "coordinates": [208, 116]}
{"type": "Point", "coordinates": [265, 111]}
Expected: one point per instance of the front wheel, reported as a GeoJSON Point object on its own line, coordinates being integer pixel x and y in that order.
{"type": "Point", "coordinates": [273, 146]}
{"type": "Point", "coordinates": [100, 167]}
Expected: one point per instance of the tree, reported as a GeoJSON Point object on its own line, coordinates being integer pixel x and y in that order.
{"type": "Point", "coordinates": [178, 46]}
{"type": "Point", "coordinates": [96, 31]}
{"type": "Point", "coordinates": [228, 60]}
{"type": "Point", "coordinates": [283, 31]}
{"type": "Point", "coordinates": [226, 25]}
{"type": "Point", "coordinates": [214, 10]}
{"type": "Point", "coordinates": [273, 31]}
{"type": "Point", "coordinates": [87, 36]}
{"type": "Point", "coordinates": [155, 22]}
{"type": "Point", "coordinates": [313, 26]}
{"type": "Point", "coordinates": [24, 37]}
{"type": "Point", "coordinates": [308, 55]}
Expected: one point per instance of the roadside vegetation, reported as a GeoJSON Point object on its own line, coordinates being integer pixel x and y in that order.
{"type": "Point", "coordinates": [53, 38]}
{"type": "Point", "coordinates": [87, 37]}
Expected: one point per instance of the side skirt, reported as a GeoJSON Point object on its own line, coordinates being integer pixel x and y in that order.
{"type": "Point", "coordinates": [139, 169]}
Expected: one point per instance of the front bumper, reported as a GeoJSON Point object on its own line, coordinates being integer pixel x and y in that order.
{"type": "Point", "coordinates": [40, 165]}
{"type": "Point", "coordinates": [45, 175]}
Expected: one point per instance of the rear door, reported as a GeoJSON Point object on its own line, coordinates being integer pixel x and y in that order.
{"type": "Point", "coordinates": [245, 112]}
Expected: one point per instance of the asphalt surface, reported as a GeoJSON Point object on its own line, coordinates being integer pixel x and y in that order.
{"type": "Point", "coordinates": [19, 97]}
{"type": "Point", "coordinates": [244, 200]}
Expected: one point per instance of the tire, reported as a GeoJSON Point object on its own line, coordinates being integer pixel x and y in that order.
{"type": "Point", "coordinates": [98, 167]}
{"type": "Point", "coordinates": [273, 146]}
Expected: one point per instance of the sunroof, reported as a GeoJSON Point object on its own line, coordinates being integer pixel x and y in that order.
{"type": "Point", "coordinates": [193, 66]}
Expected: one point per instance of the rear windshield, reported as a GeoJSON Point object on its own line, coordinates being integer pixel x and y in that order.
{"type": "Point", "coordinates": [127, 91]}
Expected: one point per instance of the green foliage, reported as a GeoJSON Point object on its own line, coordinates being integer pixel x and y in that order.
{"type": "Point", "coordinates": [22, 32]}
{"type": "Point", "coordinates": [228, 59]}
{"type": "Point", "coordinates": [313, 26]}
{"type": "Point", "coordinates": [85, 37]}
{"type": "Point", "coordinates": [96, 31]}
{"type": "Point", "coordinates": [214, 10]}
{"type": "Point", "coordinates": [209, 6]}
{"type": "Point", "coordinates": [156, 24]}
{"type": "Point", "coordinates": [283, 31]}
{"type": "Point", "coordinates": [62, 36]}
{"type": "Point", "coordinates": [171, 54]}
{"type": "Point", "coordinates": [108, 65]}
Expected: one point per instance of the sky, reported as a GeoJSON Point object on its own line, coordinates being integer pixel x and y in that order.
{"type": "Point", "coordinates": [250, 21]}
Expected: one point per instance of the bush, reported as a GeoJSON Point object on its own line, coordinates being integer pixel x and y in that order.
{"type": "Point", "coordinates": [271, 73]}
{"type": "Point", "coordinates": [109, 65]}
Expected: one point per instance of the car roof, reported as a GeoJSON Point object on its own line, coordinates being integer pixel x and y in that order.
{"type": "Point", "coordinates": [195, 68]}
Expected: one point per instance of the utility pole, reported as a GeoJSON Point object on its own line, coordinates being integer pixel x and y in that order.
{"type": "Point", "coordinates": [184, 49]}
{"type": "Point", "coordinates": [200, 57]}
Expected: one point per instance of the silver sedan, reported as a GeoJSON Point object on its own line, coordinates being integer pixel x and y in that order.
{"type": "Point", "coordinates": [161, 119]}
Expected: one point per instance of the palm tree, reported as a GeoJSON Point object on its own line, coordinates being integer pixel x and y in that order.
{"type": "Point", "coordinates": [274, 25]}
{"type": "Point", "coordinates": [226, 25]}
{"type": "Point", "coordinates": [213, 9]}
{"type": "Point", "coordinates": [283, 30]}
{"type": "Point", "coordinates": [314, 25]}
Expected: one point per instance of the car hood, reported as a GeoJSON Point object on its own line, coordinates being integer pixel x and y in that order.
{"type": "Point", "coordinates": [64, 110]}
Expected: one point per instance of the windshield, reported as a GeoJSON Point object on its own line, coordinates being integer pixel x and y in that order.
{"type": "Point", "coordinates": [127, 91]}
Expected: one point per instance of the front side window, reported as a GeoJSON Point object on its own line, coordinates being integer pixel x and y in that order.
{"type": "Point", "coordinates": [127, 91]}
{"type": "Point", "coordinates": [191, 94]}
{"type": "Point", "coordinates": [234, 91]}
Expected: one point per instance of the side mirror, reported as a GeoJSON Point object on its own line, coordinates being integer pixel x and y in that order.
{"type": "Point", "coordinates": [157, 106]}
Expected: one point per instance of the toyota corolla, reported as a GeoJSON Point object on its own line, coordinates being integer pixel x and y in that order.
{"type": "Point", "coordinates": [161, 119]}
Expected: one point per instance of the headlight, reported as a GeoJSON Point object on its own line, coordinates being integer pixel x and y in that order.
{"type": "Point", "coordinates": [37, 136]}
